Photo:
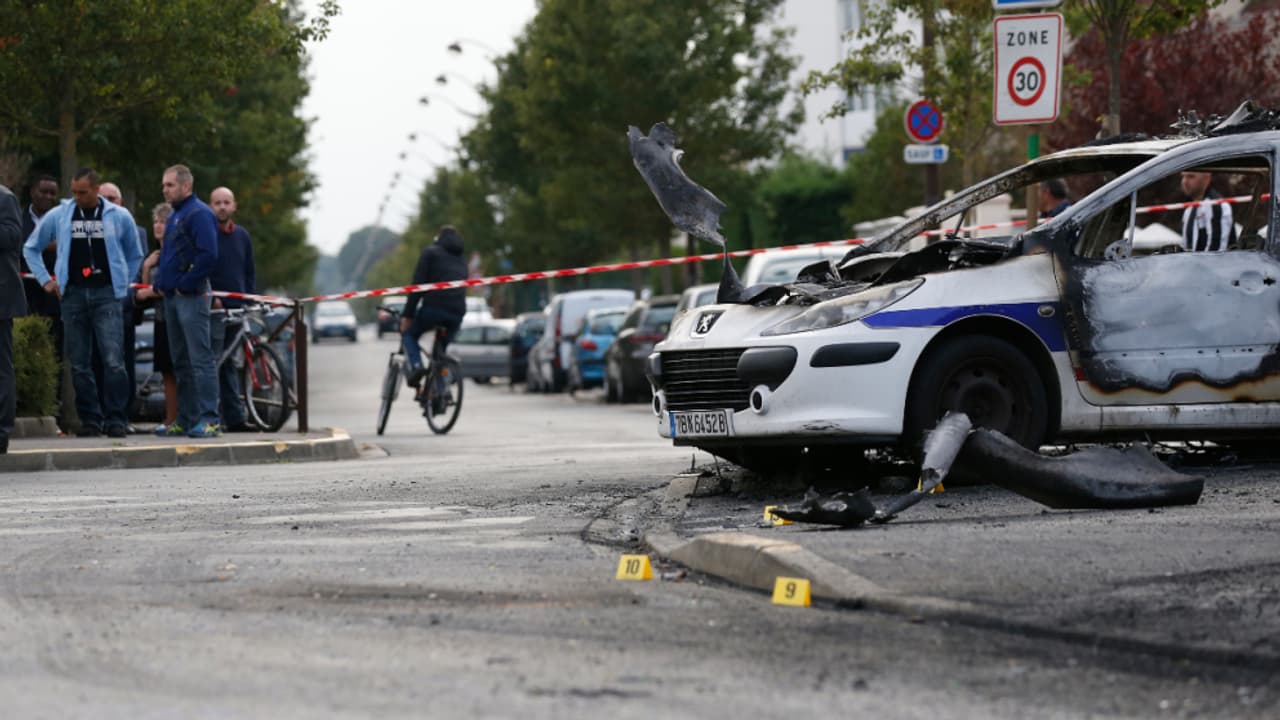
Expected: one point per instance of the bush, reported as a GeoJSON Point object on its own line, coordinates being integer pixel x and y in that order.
{"type": "Point", "coordinates": [36, 365]}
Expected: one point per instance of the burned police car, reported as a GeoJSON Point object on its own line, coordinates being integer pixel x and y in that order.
{"type": "Point", "coordinates": [1056, 333]}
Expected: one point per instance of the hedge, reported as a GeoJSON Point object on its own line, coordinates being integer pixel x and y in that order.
{"type": "Point", "coordinates": [36, 365]}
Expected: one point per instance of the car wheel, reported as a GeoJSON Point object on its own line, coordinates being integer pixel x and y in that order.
{"type": "Point", "coordinates": [482, 380]}
{"type": "Point", "coordinates": [984, 377]}
{"type": "Point", "coordinates": [610, 387]}
{"type": "Point", "coordinates": [353, 337]}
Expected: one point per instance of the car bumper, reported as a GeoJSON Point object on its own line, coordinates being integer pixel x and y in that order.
{"type": "Point", "coordinates": [334, 331]}
{"type": "Point", "coordinates": [841, 385]}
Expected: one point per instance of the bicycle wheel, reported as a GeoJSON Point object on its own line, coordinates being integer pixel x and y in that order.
{"type": "Point", "coordinates": [265, 389]}
{"type": "Point", "coordinates": [390, 389]}
{"type": "Point", "coordinates": [444, 396]}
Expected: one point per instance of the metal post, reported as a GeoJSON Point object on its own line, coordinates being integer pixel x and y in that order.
{"type": "Point", "coordinates": [301, 343]}
{"type": "Point", "coordinates": [1033, 190]}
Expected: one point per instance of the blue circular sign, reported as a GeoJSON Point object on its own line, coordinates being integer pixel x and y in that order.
{"type": "Point", "coordinates": [923, 121]}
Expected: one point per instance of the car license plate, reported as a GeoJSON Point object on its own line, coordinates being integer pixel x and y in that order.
{"type": "Point", "coordinates": [705, 423]}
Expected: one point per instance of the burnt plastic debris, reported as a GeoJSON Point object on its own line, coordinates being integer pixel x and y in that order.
{"type": "Point", "coordinates": [1094, 478]}
{"type": "Point", "coordinates": [691, 207]}
{"type": "Point", "coordinates": [849, 509]}
{"type": "Point", "coordinates": [941, 447]}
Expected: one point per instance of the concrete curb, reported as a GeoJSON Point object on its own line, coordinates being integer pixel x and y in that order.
{"type": "Point", "coordinates": [755, 562]}
{"type": "Point", "coordinates": [338, 446]}
{"type": "Point", "coordinates": [34, 427]}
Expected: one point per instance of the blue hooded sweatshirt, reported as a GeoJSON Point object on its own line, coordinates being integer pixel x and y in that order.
{"type": "Point", "coordinates": [190, 248]}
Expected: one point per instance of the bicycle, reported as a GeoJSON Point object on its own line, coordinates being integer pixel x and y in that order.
{"type": "Point", "coordinates": [267, 394]}
{"type": "Point", "coordinates": [440, 390]}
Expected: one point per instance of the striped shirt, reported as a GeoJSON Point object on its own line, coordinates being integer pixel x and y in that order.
{"type": "Point", "coordinates": [1208, 227]}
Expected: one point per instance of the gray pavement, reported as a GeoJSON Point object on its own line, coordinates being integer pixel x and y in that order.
{"type": "Point", "coordinates": [1190, 582]}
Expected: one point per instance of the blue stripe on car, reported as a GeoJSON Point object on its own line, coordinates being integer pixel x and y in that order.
{"type": "Point", "coordinates": [1048, 329]}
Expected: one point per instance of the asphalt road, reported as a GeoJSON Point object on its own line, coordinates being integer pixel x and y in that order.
{"type": "Point", "coordinates": [448, 577]}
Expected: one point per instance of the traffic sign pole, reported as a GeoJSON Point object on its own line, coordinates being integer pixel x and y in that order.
{"type": "Point", "coordinates": [1033, 190]}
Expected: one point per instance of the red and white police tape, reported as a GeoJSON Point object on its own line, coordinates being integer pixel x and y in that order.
{"type": "Point", "coordinates": [642, 264]}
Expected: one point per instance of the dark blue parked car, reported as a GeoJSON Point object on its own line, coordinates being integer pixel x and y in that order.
{"type": "Point", "coordinates": [598, 329]}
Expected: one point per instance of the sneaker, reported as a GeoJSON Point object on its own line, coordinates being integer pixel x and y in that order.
{"type": "Point", "coordinates": [205, 430]}
{"type": "Point", "coordinates": [415, 376]}
{"type": "Point", "coordinates": [117, 432]}
{"type": "Point", "coordinates": [174, 430]}
{"type": "Point", "coordinates": [87, 431]}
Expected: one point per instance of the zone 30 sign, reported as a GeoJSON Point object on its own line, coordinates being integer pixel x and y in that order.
{"type": "Point", "coordinates": [1028, 64]}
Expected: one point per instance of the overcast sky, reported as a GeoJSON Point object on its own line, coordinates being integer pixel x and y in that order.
{"type": "Point", "coordinates": [381, 56]}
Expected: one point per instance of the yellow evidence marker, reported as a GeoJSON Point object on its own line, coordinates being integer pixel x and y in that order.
{"type": "Point", "coordinates": [791, 591]}
{"type": "Point", "coordinates": [635, 567]}
{"type": "Point", "coordinates": [769, 517]}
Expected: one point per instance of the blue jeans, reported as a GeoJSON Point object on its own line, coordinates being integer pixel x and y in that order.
{"type": "Point", "coordinates": [187, 317]}
{"type": "Point", "coordinates": [426, 320]}
{"type": "Point", "coordinates": [91, 320]}
{"type": "Point", "coordinates": [221, 333]}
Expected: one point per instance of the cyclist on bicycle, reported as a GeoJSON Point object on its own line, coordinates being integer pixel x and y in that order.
{"type": "Point", "coordinates": [441, 261]}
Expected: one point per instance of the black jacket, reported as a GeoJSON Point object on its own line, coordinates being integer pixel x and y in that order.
{"type": "Point", "coordinates": [440, 262]}
{"type": "Point", "coordinates": [13, 302]}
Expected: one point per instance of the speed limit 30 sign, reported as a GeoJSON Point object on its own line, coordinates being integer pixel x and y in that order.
{"type": "Point", "coordinates": [1028, 66]}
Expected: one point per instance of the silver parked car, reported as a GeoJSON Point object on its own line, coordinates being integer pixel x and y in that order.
{"type": "Point", "coordinates": [483, 348]}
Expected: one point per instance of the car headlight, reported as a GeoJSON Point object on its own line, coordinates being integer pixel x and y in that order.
{"type": "Point", "coordinates": [846, 309]}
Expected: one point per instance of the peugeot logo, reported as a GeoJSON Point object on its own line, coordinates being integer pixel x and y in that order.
{"type": "Point", "coordinates": [705, 322]}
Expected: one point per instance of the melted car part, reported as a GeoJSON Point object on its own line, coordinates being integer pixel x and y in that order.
{"type": "Point", "coordinates": [1096, 477]}
{"type": "Point", "coordinates": [941, 447]}
{"type": "Point", "coordinates": [691, 207]}
{"type": "Point", "coordinates": [847, 509]}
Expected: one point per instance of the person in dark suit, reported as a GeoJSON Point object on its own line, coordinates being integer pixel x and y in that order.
{"type": "Point", "coordinates": [13, 303]}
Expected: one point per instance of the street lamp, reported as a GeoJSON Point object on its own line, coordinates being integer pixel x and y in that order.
{"type": "Point", "coordinates": [426, 100]}
{"type": "Point", "coordinates": [455, 47]}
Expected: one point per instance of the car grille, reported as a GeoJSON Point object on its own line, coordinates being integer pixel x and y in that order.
{"type": "Point", "coordinates": [704, 380]}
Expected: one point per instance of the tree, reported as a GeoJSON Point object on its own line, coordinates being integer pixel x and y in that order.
{"type": "Point", "coordinates": [1120, 21]}
{"type": "Point", "coordinates": [71, 67]}
{"type": "Point", "coordinates": [804, 198]}
{"type": "Point", "coordinates": [1211, 66]}
{"type": "Point", "coordinates": [955, 72]}
{"type": "Point", "coordinates": [552, 145]}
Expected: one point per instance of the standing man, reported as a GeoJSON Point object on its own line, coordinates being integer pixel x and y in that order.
{"type": "Point", "coordinates": [1208, 227]}
{"type": "Point", "coordinates": [233, 272]}
{"type": "Point", "coordinates": [111, 193]}
{"type": "Point", "coordinates": [1053, 198]}
{"type": "Point", "coordinates": [44, 195]}
{"type": "Point", "coordinates": [13, 303]}
{"type": "Point", "coordinates": [182, 276]}
{"type": "Point", "coordinates": [97, 246]}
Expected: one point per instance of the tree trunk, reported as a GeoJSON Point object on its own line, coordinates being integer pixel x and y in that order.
{"type": "Point", "coordinates": [1115, 58]}
{"type": "Point", "coordinates": [67, 141]}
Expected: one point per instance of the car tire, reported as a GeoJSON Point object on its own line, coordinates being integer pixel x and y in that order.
{"type": "Point", "coordinates": [610, 387]}
{"type": "Point", "coordinates": [988, 379]}
{"type": "Point", "coordinates": [482, 380]}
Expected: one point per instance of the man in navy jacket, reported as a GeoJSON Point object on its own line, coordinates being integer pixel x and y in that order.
{"type": "Point", "coordinates": [182, 276]}
{"type": "Point", "coordinates": [234, 272]}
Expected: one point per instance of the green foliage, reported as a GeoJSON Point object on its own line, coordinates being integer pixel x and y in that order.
{"type": "Point", "coordinates": [111, 84]}
{"type": "Point", "coordinates": [36, 366]}
{"type": "Point", "coordinates": [548, 181]}
{"type": "Point", "coordinates": [804, 198]}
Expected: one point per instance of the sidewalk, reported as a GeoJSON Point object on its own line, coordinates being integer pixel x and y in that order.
{"type": "Point", "coordinates": [1197, 582]}
{"type": "Point", "coordinates": [148, 451]}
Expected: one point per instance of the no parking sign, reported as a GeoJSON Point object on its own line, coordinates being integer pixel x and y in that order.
{"type": "Point", "coordinates": [1028, 65]}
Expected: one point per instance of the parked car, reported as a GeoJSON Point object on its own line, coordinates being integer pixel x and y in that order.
{"type": "Point", "coordinates": [564, 312]}
{"type": "Point", "coordinates": [333, 318]}
{"type": "Point", "coordinates": [645, 324]}
{"type": "Point", "coordinates": [477, 309]}
{"type": "Point", "coordinates": [387, 322]}
{"type": "Point", "coordinates": [590, 342]}
{"type": "Point", "coordinates": [149, 389]}
{"type": "Point", "coordinates": [1053, 334]}
{"type": "Point", "coordinates": [695, 296]}
{"type": "Point", "coordinates": [779, 266]}
{"type": "Point", "coordinates": [483, 348]}
{"type": "Point", "coordinates": [527, 331]}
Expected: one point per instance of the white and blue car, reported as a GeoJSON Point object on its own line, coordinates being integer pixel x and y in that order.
{"type": "Point", "coordinates": [1060, 332]}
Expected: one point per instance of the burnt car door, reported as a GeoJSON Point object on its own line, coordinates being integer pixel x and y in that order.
{"type": "Point", "coordinates": [1175, 328]}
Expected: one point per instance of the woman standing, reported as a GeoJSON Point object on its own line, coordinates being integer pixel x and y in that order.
{"type": "Point", "coordinates": [161, 360]}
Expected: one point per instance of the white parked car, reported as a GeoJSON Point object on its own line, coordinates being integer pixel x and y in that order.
{"type": "Point", "coordinates": [1057, 333]}
{"type": "Point", "coordinates": [781, 266]}
{"type": "Point", "coordinates": [564, 315]}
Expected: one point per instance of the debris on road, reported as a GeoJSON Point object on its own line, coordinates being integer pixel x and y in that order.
{"type": "Point", "coordinates": [1093, 478]}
